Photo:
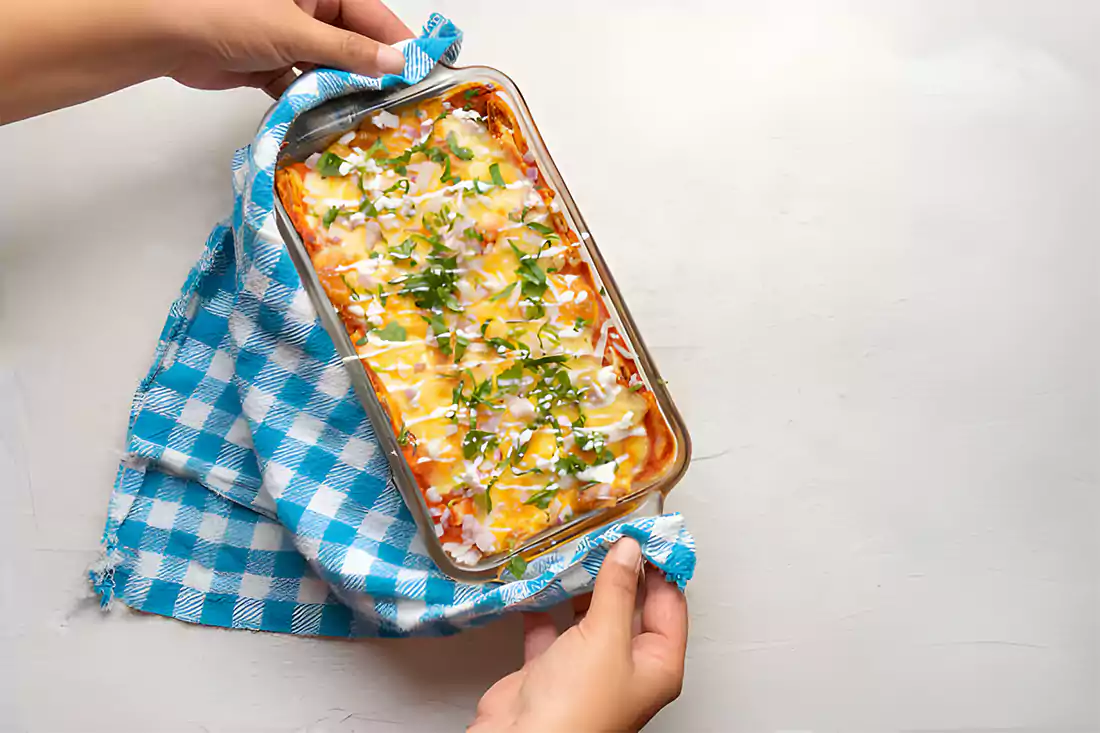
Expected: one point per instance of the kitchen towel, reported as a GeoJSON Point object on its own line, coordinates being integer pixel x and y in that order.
{"type": "Point", "coordinates": [253, 493]}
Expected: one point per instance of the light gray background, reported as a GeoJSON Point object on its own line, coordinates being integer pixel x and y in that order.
{"type": "Point", "coordinates": [860, 238]}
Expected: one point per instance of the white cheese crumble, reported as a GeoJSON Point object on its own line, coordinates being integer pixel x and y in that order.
{"type": "Point", "coordinates": [601, 474]}
{"type": "Point", "coordinates": [469, 115]}
{"type": "Point", "coordinates": [385, 119]}
{"type": "Point", "coordinates": [476, 532]}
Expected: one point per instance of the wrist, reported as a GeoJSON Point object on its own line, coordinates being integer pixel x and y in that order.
{"type": "Point", "coordinates": [554, 723]}
{"type": "Point", "coordinates": [166, 30]}
{"type": "Point", "coordinates": [55, 53]}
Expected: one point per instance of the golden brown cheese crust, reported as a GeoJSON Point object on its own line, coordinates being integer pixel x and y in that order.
{"type": "Point", "coordinates": [547, 467]}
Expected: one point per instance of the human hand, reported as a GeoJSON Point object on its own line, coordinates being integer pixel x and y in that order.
{"type": "Point", "coordinates": [609, 672]}
{"type": "Point", "coordinates": [256, 42]}
{"type": "Point", "coordinates": [54, 53]}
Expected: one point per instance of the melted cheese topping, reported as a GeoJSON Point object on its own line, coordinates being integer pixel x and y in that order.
{"type": "Point", "coordinates": [467, 298]}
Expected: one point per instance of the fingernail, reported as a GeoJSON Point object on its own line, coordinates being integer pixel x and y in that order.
{"type": "Point", "coordinates": [390, 60]}
{"type": "Point", "coordinates": [628, 553]}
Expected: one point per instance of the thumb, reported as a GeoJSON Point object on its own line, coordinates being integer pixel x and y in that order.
{"type": "Point", "coordinates": [611, 614]}
{"type": "Point", "coordinates": [315, 42]}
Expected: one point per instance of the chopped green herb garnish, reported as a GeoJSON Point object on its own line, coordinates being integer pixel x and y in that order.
{"type": "Point", "coordinates": [476, 442]}
{"type": "Point", "coordinates": [544, 360]}
{"type": "Point", "coordinates": [367, 207]}
{"type": "Point", "coordinates": [434, 240]}
{"type": "Point", "coordinates": [444, 343]}
{"type": "Point", "coordinates": [553, 387]}
{"type": "Point", "coordinates": [461, 342]}
{"type": "Point", "coordinates": [540, 228]}
{"type": "Point", "coordinates": [512, 376]}
{"type": "Point", "coordinates": [392, 332]}
{"type": "Point", "coordinates": [581, 323]}
{"type": "Point", "coordinates": [479, 395]}
{"type": "Point", "coordinates": [459, 151]}
{"type": "Point", "coordinates": [400, 162]}
{"type": "Point", "coordinates": [532, 277]}
{"type": "Point", "coordinates": [590, 440]}
{"type": "Point", "coordinates": [330, 216]}
{"type": "Point", "coordinates": [435, 322]}
{"type": "Point", "coordinates": [603, 290]}
{"type": "Point", "coordinates": [570, 463]}
{"type": "Point", "coordinates": [433, 288]}
{"type": "Point", "coordinates": [435, 155]}
{"type": "Point", "coordinates": [447, 177]}
{"type": "Point", "coordinates": [502, 346]}
{"type": "Point", "coordinates": [402, 185]}
{"type": "Point", "coordinates": [517, 566]}
{"type": "Point", "coordinates": [382, 296]}
{"type": "Point", "coordinates": [404, 436]}
{"type": "Point", "coordinates": [551, 335]}
{"type": "Point", "coordinates": [637, 387]}
{"type": "Point", "coordinates": [376, 147]}
{"type": "Point", "coordinates": [503, 293]}
{"type": "Point", "coordinates": [442, 334]}
{"type": "Point", "coordinates": [348, 285]}
{"type": "Point", "coordinates": [473, 233]}
{"type": "Point", "coordinates": [471, 93]}
{"type": "Point", "coordinates": [485, 499]}
{"type": "Point", "coordinates": [518, 453]}
{"type": "Point", "coordinates": [329, 165]}
{"type": "Point", "coordinates": [542, 498]}
{"type": "Point", "coordinates": [404, 251]}
{"type": "Point", "coordinates": [494, 171]}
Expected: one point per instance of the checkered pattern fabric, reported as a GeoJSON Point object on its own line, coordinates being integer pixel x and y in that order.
{"type": "Point", "coordinates": [253, 493]}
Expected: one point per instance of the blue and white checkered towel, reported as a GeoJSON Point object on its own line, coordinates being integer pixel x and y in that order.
{"type": "Point", "coordinates": [253, 493]}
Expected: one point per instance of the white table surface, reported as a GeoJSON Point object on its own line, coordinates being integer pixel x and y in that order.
{"type": "Point", "coordinates": [861, 241]}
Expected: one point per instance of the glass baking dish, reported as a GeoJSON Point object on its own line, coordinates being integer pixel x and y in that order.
{"type": "Point", "coordinates": [315, 130]}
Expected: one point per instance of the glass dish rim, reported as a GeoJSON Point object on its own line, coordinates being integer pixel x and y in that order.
{"type": "Point", "coordinates": [314, 130]}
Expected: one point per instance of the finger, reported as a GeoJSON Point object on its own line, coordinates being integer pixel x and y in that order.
{"type": "Point", "coordinates": [312, 41]}
{"type": "Point", "coordinates": [539, 632]}
{"type": "Point", "coordinates": [580, 606]}
{"type": "Point", "coordinates": [612, 609]}
{"type": "Point", "coordinates": [658, 675]}
{"type": "Point", "coordinates": [665, 612]}
{"type": "Point", "coordinates": [274, 82]}
{"type": "Point", "coordinates": [372, 18]}
{"type": "Point", "coordinates": [308, 6]}
{"type": "Point", "coordinates": [223, 79]}
{"type": "Point", "coordinates": [497, 700]}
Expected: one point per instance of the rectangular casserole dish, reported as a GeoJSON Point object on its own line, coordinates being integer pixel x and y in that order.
{"type": "Point", "coordinates": [609, 442]}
